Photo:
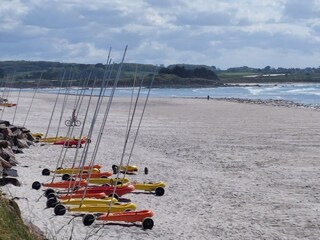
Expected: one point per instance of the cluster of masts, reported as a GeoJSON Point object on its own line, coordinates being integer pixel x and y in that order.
{"type": "Point", "coordinates": [85, 187]}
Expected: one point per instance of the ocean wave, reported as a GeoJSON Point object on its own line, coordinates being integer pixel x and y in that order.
{"type": "Point", "coordinates": [310, 91]}
{"type": "Point", "coordinates": [262, 90]}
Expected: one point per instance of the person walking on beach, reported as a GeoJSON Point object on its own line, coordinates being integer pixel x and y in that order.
{"type": "Point", "coordinates": [208, 97]}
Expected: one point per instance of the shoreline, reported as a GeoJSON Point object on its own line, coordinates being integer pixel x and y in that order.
{"type": "Point", "coordinates": [268, 94]}
{"type": "Point", "coordinates": [270, 102]}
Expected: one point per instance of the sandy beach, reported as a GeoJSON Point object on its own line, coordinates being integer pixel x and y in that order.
{"type": "Point", "coordinates": [233, 170]}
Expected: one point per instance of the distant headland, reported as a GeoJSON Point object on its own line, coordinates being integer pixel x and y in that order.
{"type": "Point", "coordinates": [25, 74]}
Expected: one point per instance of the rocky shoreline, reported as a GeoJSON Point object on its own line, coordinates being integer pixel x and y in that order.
{"type": "Point", "coordinates": [12, 140]}
{"type": "Point", "coordinates": [270, 102]}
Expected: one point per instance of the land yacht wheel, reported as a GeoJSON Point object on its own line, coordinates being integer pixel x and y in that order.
{"type": "Point", "coordinates": [36, 185]}
{"type": "Point", "coordinates": [65, 176]}
{"type": "Point", "coordinates": [52, 195]}
{"type": "Point", "coordinates": [46, 172]}
{"type": "Point", "coordinates": [52, 202]}
{"type": "Point", "coordinates": [48, 191]}
{"type": "Point", "coordinates": [60, 210]}
{"type": "Point", "coordinates": [159, 191]}
{"type": "Point", "coordinates": [115, 196]}
{"type": "Point", "coordinates": [147, 223]}
{"type": "Point", "coordinates": [88, 219]}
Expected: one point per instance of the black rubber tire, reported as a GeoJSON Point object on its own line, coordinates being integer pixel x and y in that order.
{"type": "Point", "coordinates": [52, 202]}
{"type": "Point", "coordinates": [115, 169]}
{"type": "Point", "coordinates": [147, 223]}
{"type": "Point", "coordinates": [146, 171]}
{"type": "Point", "coordinates": [46, 172]}
{"type": "Point", "coordinates": [36, 185]}
{"type": "Point", "coordinates": [115, 196]}
{"type": "Point", "coordinates": [60, 210]}
{"type": "Point", "coordinates": [48, 191]}
{"type": "Point", "coordinates": [52, 195]}
{"type": "Point", "coordinates": [67, 123]}
{"type": "Point", "coordinates": [159, 191]}
{"type": "Point", "coordinates": [103, 177]}
{"type": "Point", "coordinates": [65, 177]}
{"type": "Point", "coordinates": [88, 219]}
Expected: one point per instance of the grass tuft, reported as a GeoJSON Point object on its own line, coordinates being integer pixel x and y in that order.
{"type": "Point", "coordinates": [11, 224]}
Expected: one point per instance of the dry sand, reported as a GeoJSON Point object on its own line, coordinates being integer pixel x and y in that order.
{"type": "Point", "coordinates": [233, 170]}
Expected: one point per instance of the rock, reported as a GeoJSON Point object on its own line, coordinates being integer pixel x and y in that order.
{"type": "Point", "coordinates": [10, 172]}
{"type": "Point", "coordinates": [13, 181]}
{"type": "Point", "coordinates": [30, 143]}
{"type": "Point", "coordinates": [16, 150]}
{"type": "Point", "coordinates": [37, 231]}
{"type": "Point", "coordinates": [4, 144]}
{"type": "Point", "coordinates": [8, 155]}
{"type": "Point", "coordinates": [12, 140]}
{"type": "Point", "coordinates": [28, 136]}
{"type": "Point", "coordinates": [4, 163]}
{"type": "Point", "coordinates": [14, 129]}
{"type": "Point", "coordinates": [6, 132]}
{"type": "Point", "coordinates": [6, 123]}
{"type": "Point", "coordinates": [20, 143]}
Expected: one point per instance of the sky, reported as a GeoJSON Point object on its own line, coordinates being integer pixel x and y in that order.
{"type": "Point", "coordinates": [220, 33]}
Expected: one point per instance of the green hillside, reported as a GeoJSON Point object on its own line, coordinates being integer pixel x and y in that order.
{"type": "Point", "coordinates": [27, 73]}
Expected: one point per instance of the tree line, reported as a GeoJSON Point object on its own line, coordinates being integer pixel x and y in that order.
{"type": "Point", "coordinates": [26, 74]}
{"type": "Point", "coordinates": [183, 72]}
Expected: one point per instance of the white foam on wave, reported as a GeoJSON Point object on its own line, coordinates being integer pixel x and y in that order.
{"type": "Point", "coordinates": [203, 90]}
{"type": "Point", "coordinates": [260, 90]}
{"type": "Point", "coordinates": [305, 91]}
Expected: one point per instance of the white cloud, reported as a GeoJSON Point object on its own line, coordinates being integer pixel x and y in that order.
{"type": "Point", "coordinates": [78, 52]}
{"type": "Point", "coordinates": [10, 13]}
{"type": "Point", "coordinates": [168, 32]}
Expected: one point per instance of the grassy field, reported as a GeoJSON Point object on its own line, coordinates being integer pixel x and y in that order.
{"type": "Point", "coordinates": [242, 77]}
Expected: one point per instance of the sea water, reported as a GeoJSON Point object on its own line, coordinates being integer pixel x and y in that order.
{"type": "Point", "coordinates": [299, 93]}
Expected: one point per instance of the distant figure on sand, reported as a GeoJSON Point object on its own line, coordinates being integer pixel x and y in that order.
{"type": "Point", "coordinates": [208, 97]}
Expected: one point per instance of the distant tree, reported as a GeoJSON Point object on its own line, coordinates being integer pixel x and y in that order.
{"type": "Point", "coordinates": [267, 69]}
{"type": "Point", "coordinates": [282, 70]}
{"type": "Point", "coordinates": [164, 70]}
{"type": "Point", "coordinates": [99, 65]}
{"type": "Point", "coordinates": [241, 69]}
{"type": "Point", "coordinates": [1, 73]}
{"type": "Point", "coordinates": [182, 72]}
